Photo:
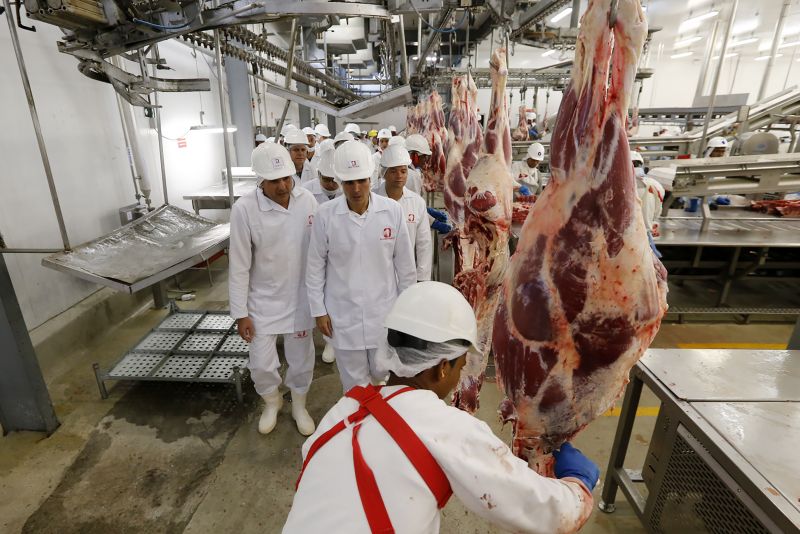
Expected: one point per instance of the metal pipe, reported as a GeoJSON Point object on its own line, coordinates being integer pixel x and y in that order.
{"type": "Point", "coordinates": [715, 82]}
{"type": "Point", "coordinates": [126, 137]}
{"type": "Point", "coordinates": [31, 250]}
{"type": "Point", "coordinates": [419, 41]}
{"type": "Point", "coordinates": [403, 55]}
{"type": "Point", "coordinates": [37, 127]}
{"type": "Point", "coordinates": [776, 41]}
{"type": "Point", "coordinates": [224, 112]}
{"type": "Point", "coordinates": [157, 111]}
{"type": "Point", "coordinates": [701, 82]}
{"type": "Point", "coordinates": [575, 15]}
{"type": "Point", "coordinates": [789, 70]}
{"type": "Point", "coordinates": [288, 78]}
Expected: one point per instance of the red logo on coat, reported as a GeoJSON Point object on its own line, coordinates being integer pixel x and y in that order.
{"type": "Point", "coordinates": [310, 219]}
{"type": "Point", "coordinates": [411, 217]}
{"type": "Point", "coordinates": [387, 233]}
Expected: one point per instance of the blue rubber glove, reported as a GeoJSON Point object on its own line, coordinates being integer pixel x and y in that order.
{"type": "Point", "coordinates": [570, 462]}
{"type": "Point", "coordinates": [439, 215]}
{"type": "Point", "coordinates": [524, 191]}
{"type": "Point", "coordinates": [442, 227]}
{"type": "Point", "coordinates": [653, 245]}
{"type": "Point", "coordinates": [722, 201]}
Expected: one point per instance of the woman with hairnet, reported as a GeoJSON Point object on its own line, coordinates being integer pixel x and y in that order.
{"type": "Point", "coordinates": [387, 459]}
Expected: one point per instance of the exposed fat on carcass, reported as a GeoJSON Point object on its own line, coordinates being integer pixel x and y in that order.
{"type": "Point", "coordinates": [584, 294]}
{"type": "Point", "coordinates": [521, 131]}
{"type": "Point", "coordinates": [427, 119]}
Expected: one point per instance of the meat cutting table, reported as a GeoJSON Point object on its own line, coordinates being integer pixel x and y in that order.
{"type": "Point", "coordinates": [217, 197]}
{"type": "Point", "coordinates": [722, 458]}
{"type": "Point", "coordinates": [728, 228]}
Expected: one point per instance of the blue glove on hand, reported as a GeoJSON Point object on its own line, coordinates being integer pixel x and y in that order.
{"type": "Point", "coordinates": [438, 215]}
{"type": "Point", "coordinates": [441, 227]}
{"type": "Point", "coordinates": [570, 462]}
{"type": "Point", "coordinates": [524, 191]}
{"type": "Point", "coordinates": [653, 245]}
{"type": "Point", "coordinates": [722, 201]}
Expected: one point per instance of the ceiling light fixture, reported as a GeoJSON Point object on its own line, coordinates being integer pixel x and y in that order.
{"type": "Point", "coordinates": [734, 44]}
{"type": "Point", "coordinates": [686, 42]}
{"type": "Point", "coordinates": [745, 26]}
{"type": "Point", "coordinates": [694, 22]}
{"type": "Point", "coordinates": [734, 54]}
{"type": "Point", "coordinates": [202, 128]}
{"type": "Point", "coordinates": [682, 54]}
{"type": "Point", "coordinates": [764, 58]}
{"type": "Point", "coordinates": [787, 45]}
{"type": "Point", "coordinates": [561, 14]}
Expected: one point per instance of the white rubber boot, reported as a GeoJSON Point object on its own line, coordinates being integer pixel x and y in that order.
{"type": "Point", "coordinates": [269, 416]}
{"type": "Point", "coordinates": [305, 425]}
{"type": "Point", "coordinates": [328, 356]}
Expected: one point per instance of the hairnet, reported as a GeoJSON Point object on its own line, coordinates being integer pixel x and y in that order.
{"type": "Point", "coordinates": [408, 362]}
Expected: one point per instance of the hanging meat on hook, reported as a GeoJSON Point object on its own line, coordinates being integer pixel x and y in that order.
{"type": "Point", "coordinates": [520, 133]}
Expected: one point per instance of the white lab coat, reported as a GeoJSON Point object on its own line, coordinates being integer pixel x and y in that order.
{"type": "Point", "coordinates": [651, 194]}
{"type": "Point", "coordinates": [267, 261]}
{"type": "Point", "coordinates": [419, 230]}
{"type": "Point", "coordinates": [483, 474]}
{"type": "Point", "coordinates": [319, 193]}
{"type": "Point", "coordinates": [357, 265]}
{"type": "Point", "coordinates": [414, 181]}
{"type": "Point", "coordinates": [307, 174]}
{"type": "Point", "coordinates": [526, 176]}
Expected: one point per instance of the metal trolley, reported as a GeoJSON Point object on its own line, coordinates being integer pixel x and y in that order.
{"type": "Point", "coordinates": [187, 346]}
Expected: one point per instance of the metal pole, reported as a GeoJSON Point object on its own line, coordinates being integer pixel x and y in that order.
{"type": "Point", "coordinates": [715, 82]}
{"type": "Point", "coordinates": [289, 67]}
{"type": "Point", "coordinates": [789, 70]}
{"type": "Point", "coordinates": [157, 111]}
{"type": "Point", "coordinates": [37, 127]}
{"type": "Point", "coordinates": [30, 250]}
{"type": "Point", "coordinates": [403, 55]}
{"type": "Point", "coordinates": [575, 15]}
{"type": "Point", "coordinates": [701, 82]}
{"type": "Point", "coordinates": [419, 42]}
{"type": "Point", "coordinates": [776, 41]}
{"type": "Point", "coordinates": [224, 112]}
{"type": "Point", "coordinates": [126, 137]}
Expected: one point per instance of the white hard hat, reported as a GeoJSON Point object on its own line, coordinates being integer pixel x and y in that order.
{"type": "Point", "coordinates": [308, 130]}
{"type": "Point", "coordinates": [271, 161]}
{"type": "Point", "coordinates": [435, 312]}
{"type": "Point", "coordinates": [384, 134]}
{"type": "Point", "coordinates": [326, 160]}
{"type": "Point", "coordinates": [322, 130]}
{"type": "Point", "coordinates": [341, 137]}
{"type": "Point", "coordinates": [393, 128]}
{"type": "Point", "coordinates": [417, 143]}
{"type": "Point", "coordinates": [270, 139]}
{"type": "Point", "coordinates": [287, 128]}
{"type": "Point", "coordinates": [261, 138]}
{"type": "Point", "coordinates": [352, 128]}
{"type": "Point", "coordinates": [397, 140]}
{"type": "Point", "coordinates": [636, 156]}
{"type": "Point", "coordinates": [353, 161]}
{"type": "Point", "coordinates": [295, 137]}
{"type": "Point", "coordinates": [395, 156]}
{"type": "Point", "coordinates": [717, 142]}
{"type": "Point", "coordinates": [536, 151]}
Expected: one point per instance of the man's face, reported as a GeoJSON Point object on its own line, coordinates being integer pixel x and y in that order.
{"type": "Point", "coordinates": [396, 176]}
{"type": "Point", "coordinates": [374, 141]}
{"type": "Point", "coordinates": [328, 183]}
{"type": "Point", "coordinates": [533, 163]}
{"type": "Point", "coordinates": [312, 140]}
{"type": "Point", "coordinates": [299, 154]}
{"type": "Point", "coordinates": [383, 143]}
{"type": "Point", "coordinates": [718, 152]}
{"type": "Point", "coordinates": [278, 190]}
{"type": "Point", "coordinates": [356, 190]}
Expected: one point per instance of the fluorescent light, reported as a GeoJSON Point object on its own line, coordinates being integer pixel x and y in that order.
{"type": "Point", "coordinates": [790, 30]}
{"type": "Point", "coordinates": [694, 22]}
{"type": "Point", "coordinates": [561, 14]}
{"type": "Point", "coordinates": [549, 53]}
{"type": "Point", "coordinates": [734, 44]}
{"type": "Point", "coordinates": [683, 54]}
{"type": "Point", "coordinates": [745, 26]}
{"type": "Point", "coordinates": [202, 128]}
{"type": "Point", "coordinates": [734, 54]}
{"type": "Point", "coordinates": [787, 45]}
{"type": "Point", "coordinates": [414, 58]}
{"type": "Point", "coordinates": [686, 42]}
{"type": "Point", "coordinates": [764, 58]}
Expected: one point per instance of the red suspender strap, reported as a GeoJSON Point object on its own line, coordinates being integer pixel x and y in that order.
{"type": "Point", "coordinates": [371, 500]}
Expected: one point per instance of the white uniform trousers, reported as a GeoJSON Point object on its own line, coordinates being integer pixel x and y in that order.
{"type": "Point", "coordinates": [357, 367]}
{"type": "Point", "coordinates": [264, 364]}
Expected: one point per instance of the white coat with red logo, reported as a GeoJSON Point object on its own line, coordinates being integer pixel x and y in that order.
{"type": "Point", "coordinates": [357, 265]}
{"type": "Point", "coordinates": [419, 230]}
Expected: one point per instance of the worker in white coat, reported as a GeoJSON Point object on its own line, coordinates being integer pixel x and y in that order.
{"type": "Point", "coordinates": [419, 150]}
{"type": "Point", "coordinates": [383, 141]}
{"type": "Point", "coordinates": [394, 173]}
{"type": "Point", "coordinates": [322, 132]}
{"type": "Point", "coordinates": [651, 194]}
{"type": "Point", "coordinates": [359, 259]}
{"type": "Point", "coordinates": [270, 231]}
{"type": "Point", "coordinates": [526, 172]}
{"type": "Point", "coordinates": [356, 478]}
{"type": "Point", "coordinates": [311, 136]}
{"type": "Point", "coordinates": [717, 147]}
{"type": "Point", "coordinates": [297, 143]}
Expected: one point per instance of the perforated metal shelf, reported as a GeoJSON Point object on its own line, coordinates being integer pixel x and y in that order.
{"type": "Point", "coordinates": [234, 344]}
{"type": "Point", "coordinates": [136, 365]}
{"type": "Point", "coordinates": [180, 321]}
{"type": "Point", "coordinates": [200, 343]}
{"type": "Point", "coordinates": [180, 366]}
{"type": "Point", "coordinates": [217, 322]}
{"type": "Point", "coordinates": [221, 367]}
{"type": "Point", "coordinates": [159, 341]}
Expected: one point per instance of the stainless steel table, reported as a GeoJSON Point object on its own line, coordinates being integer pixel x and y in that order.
{"type": "Point", "coordinates": [723, 457]}
{"type": "Point", "coordinates": [216, 197]}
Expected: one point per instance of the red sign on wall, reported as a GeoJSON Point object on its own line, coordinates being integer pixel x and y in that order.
{"type": "Point", "coordinates": [181, 142]}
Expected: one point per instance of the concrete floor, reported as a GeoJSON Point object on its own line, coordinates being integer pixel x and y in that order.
{"type": "Point", "coordinates": [163, 457]}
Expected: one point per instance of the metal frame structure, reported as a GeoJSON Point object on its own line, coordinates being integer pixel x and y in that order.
{"type": "Point", "coordinates": [187, 346]}
{"type": "Point", "coordinates": [734, 483]}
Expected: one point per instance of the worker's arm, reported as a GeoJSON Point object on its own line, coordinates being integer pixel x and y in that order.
{"type": "Point", "coordinates": [315, 267]}
{"type": "Point", "coordinates": [240, 258]}
{"type": "Point", "coordinates": [404, 266]}
{"type": "Point", "coordinates": [489, 480]}
{"type": "Point", "coordinates": [423, 248]}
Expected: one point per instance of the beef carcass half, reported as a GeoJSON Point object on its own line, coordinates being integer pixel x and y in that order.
{"type": "Point", "coordinates": [464, 143]}
{"type": "Point", "coordinates": [584, 295]}
{"type": "Point", "coordinates": [521, 132]}
{"type": "Point", "coordinates": [427, 119]}
{"type": "Point", "coordinates": [487, 222]}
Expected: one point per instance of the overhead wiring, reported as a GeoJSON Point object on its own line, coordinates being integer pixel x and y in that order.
{"type": "Point", "coordinates": [434, 28]}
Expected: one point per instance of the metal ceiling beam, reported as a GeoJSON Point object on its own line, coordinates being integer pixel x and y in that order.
{"type": "Point", "coordinates": [434, 37]}
{"type": "Point", "coordinates": [536, 14]}
{"type": "Point", "coordinates": [301, 98]}
{"type": "Point", "coordinates": [377, 104]}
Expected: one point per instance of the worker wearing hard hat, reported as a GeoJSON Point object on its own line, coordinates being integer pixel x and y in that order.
{"type": "Point", "coordinates": [394, 174]}
{"type": "Point", "coordinates": [260, 138]}
{"type": "Point", "coordinates": [716, 148]}
{"type": "Point", "coordinates": [387, 459]}
{"type": "Point", "coordinates": [651, 194]}
{"type": "Point", "coordinates": [383, 141]}
{"type": "Point", "coordinates": [372, 135]}
{"type": "Point", "coordinates": [419, 151]}
{"type": "Point", "coordinates": [526, 172]}
{"type": "Point", "coordinates": [326, 187]}
{"type": "Point", "coordinates": [393, 130]}
{"type": "Point", "coordinates": [285, 130]}
{"type": "Point", "coordinates": [340, 138]}
{"type": "Point", "coordinates": [353, 129]}
{"type": "Point", "coordinates": [359, 259]}
{"type": "Point", "coordinates": [311, 136]}
{"type": "Point", "coordinates": [322, 132]}
{"type": "Point", "coordinates": [297, 143]}
{"type": "Point", "coordinates": [270, 231]}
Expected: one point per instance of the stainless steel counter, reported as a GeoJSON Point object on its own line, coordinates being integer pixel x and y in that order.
{"type": "Point", "coordinates": [217, 196]}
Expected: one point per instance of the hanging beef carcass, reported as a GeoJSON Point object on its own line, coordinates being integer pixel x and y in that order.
{"type": "Point", "coordinates": [427, 119]}
{"type": "Point", "coordinates": [520, 133]}
{"type": "Point", "coordinates": [464, 142]}
{"type": "Point", "coordinates": [487, 222]}
{"type": "Point", "coordinates": [585, 294]}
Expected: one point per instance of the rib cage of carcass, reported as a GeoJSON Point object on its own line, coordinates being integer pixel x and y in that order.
{"type": "Point", "coordinates": [427, 119]}
{"type": "Point", "coordinates": [584, 294]}
{"type": "Point", "coordinates": [520, 133]}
